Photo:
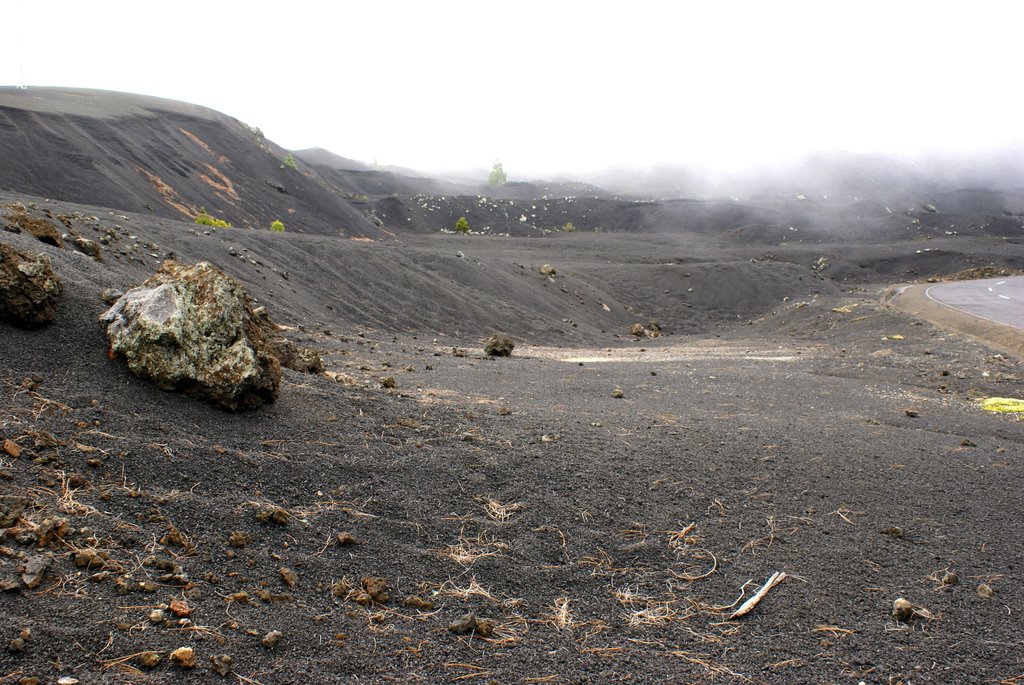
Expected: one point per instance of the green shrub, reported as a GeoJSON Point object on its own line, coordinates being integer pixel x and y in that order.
{"type": "Point", "coordinates": [289, 163]}
{"type": "Point", "coordinates": [498, 175]}
{"type": "Point", "coordinates": [569, 228]}
{"type": "Point", "coordinates": [462, 226]}
{"type": "Point", "coordinates": [204, 219]}
{"type": "Point", "coordinates": [277, 226]}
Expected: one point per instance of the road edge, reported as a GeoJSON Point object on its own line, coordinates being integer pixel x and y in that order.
{"type": "Point", "coordinates": [911, 299]}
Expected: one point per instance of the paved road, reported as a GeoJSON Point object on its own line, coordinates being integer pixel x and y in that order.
{"type": "Point", "coordinates": [999, 300]}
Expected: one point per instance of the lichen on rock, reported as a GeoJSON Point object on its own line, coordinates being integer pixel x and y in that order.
{"type": "Point", "coordinates": [192, 328]}
{"type": "Point", "coordinates": [29, 290]}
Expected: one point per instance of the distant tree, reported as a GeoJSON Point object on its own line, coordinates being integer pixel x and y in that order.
{"type": "Point", "coordinates": [277, 226]}
{"type": "Point", "coordinates": [289, 163]}
{"type": "Point", "coordinates": [462, 226]}
{"type": "Point", "coordinates": [498, 176]}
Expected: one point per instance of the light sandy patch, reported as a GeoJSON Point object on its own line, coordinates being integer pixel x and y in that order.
{"type": "Point", "coordinates": [700, 351]}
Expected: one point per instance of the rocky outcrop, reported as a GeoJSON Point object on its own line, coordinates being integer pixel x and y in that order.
{"type": "Point", "coordinates": [499, 345]}
{"type": "Point", "coordinates": [192, 328]}
{"type": "Point", "coordinates": [29, 290]}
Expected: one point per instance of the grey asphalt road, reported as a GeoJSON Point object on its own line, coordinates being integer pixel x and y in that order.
{"type": "Point", "coordinates": [999, 300]}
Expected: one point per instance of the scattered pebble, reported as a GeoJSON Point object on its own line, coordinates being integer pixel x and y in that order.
{"type": "Point", "coordinates": [288, 576]}
{"type": "Point", "coordinates": [345, 538]}
{"type": "Point", "coordinates": [985, 591]}
{"type": "Point", "coordinates": [417, 602]}
{"type": "Point", "coordinates": [150, 659]}
{"type": "Point", "coordinates": [221, 664]}
{"type": "Point", "coordinates": [271, 639]}
{"type": "Point", "coordinates": [464, 625]}
{"type": "Point", "coordinates": [185, 657]}
{"type": "Point", "coordinates": [180, 608]}
{"type": "Point", "coordinates": [618, 394]}
{"type": "Point", "coordinates": [273, 514]}
{"type": "Point", "coordinates": [902, 610]}
{"type": "Point", "coordinates": [950, 578]}
{"type": "Point", "coordinates": [376, 588]}
{"type": "Point", "coordinates": [240, 538]}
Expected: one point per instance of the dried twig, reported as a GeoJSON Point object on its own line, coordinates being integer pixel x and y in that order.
{"type": "Point", "coordinates": [746, 607]}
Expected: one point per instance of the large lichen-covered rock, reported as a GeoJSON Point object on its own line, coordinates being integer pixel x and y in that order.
{"type": "Point", "coordinates": [29, 290]}
{"type": "Point", "coordinates": [192, 328]}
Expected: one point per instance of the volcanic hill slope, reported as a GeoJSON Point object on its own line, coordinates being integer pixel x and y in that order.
{"type": "Point", "coordinates": [601, 503]}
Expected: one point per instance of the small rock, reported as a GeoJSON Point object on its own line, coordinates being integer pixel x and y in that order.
{"type": "Point", "coordinates": [967, 443]}
{"type": "Point", "coordinates": [547, 270]}
{"type": "Point", "coordinates": [638, 330]}
{"type": "Point", "coordinates": [271, 639]}
{"type": "Point", "coordinates": [111, 295]}
{"type": "Point", "coordinates": [484, 627]}
{"type": "Point", "coordinates": [35, 568]}
{"type": "Point", "coordinates": [618, 394]}
{"type": "Point", "coordinates": [376, 588]}
{"type": "Point", "coordinates": [417, 602]}
{"type": "Point", "coordinates": [499, 345]}
{"type": "Point", "coordinates": [221, 664]}
{"type": "Point", "coordinates": [950, 578]}
{"type": "Point", "coordinates": [180, 609]}
{"type": "Point", "coordinates": [464, 625]}
{"type": "Point", "coordinates": [149, 659]}
{"type": "Point", "coordinates": [239, 539]}
{"type": "Point", "coordinates": [273, 514]}
{"type": "Point", "coordinates": [28, 680]}
{"type": "Point", "coordinates": [157, 616]}
{"type": "Point", "coordinates": [185, 657]}
{"type": "Point", "coordinates": [67, 680]}
{"type": "Point", "coordinates": [88, 247]}
{"type": "Point", "coordinates": [12, 449]}
{"type": "Point", "coordinates": [985, 591]}
{"type": "Point", "coordinates": [288, 576]}
{"type": "Point", "coordinates": [16, 646]}
{"type": "Point", "coordinates": [902, 610]}
{"type": "Point", "coordinates": [387, 382]}
{"type": "Point", "coordinates": [912, 413]}
{"type": "Point", "coordinates": [346, 538]}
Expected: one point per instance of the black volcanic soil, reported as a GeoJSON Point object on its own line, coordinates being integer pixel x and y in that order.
{"type": "Point", "coordinates": [787, 421]}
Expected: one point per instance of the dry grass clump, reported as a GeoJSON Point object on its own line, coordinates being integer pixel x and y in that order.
{"type": "Point", "coordinates": [473, 589]}
{"type": "Point", "coordinates": [469, 550]}
{"type": "Point", "coordinates": [560, 615]}
{"type": "Point", "coordinates": [498, 512]}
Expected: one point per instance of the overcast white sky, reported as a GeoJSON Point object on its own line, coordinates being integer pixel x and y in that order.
{"type": "Point", "coordinates": [548, 86]}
